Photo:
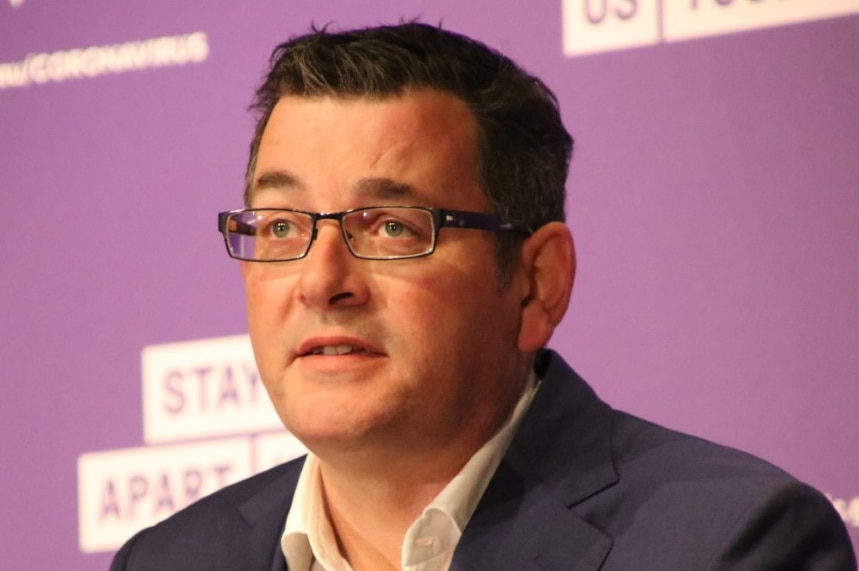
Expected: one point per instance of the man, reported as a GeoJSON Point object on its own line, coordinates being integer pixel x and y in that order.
{"type": "Point", "coordinates": [406, 262]}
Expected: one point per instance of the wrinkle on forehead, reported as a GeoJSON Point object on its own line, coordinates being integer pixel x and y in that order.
{"type": "Point", "coordinates": [421, 145]}
{"type": "Point", "coordinates": [382, 188]}
{"type": "Point", "coordinates": [388, 150]}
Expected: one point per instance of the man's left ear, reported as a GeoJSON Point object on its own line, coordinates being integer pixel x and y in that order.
{"type": "Point", "coordinates": [548, 267]}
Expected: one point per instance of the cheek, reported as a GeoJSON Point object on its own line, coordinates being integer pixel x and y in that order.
{"type": "Point", "coordinates": [256, 301]}
{"type": "Point", "coordinates": [267, 291]}
{"type": "Point", "coordinates": [449, 313]}
{"type": "Point", "coordinates": [267, 306]}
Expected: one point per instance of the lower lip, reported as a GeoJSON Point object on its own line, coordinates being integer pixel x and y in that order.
{"type": "Point", "coordinates": [337, 363]}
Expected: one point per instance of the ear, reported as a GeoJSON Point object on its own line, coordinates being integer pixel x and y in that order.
{"type": "Point", "coordinates": [547, 272]}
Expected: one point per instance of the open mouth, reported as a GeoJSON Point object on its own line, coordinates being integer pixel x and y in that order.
{"type": "Point", "coordinates": [342, 349]}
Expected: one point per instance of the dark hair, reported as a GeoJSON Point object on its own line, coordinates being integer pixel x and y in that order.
{"type": "Point", "coordinates": [524, 150]}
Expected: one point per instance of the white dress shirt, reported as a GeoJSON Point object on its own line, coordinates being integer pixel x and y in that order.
{"type": "Point", "coordinates": [309, 542]}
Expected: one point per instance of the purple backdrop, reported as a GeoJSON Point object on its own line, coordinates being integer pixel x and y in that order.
{"type": "Point", "coordinates": [713, 198]}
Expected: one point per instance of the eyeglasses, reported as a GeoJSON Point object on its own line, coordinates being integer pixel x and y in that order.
{"type": "Point", "coordinates": [376, 233]}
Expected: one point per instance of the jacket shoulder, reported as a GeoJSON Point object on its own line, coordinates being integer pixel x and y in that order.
{"type": "Point", "coordinates": [670, 499]}
{"type": "Point", "coordinates": [711, 506]}
{"type": "Point", "coordinates": [237, 527]}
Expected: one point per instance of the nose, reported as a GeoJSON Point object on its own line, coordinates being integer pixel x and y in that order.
{"type": "Point", "coordinates": [330, 275]}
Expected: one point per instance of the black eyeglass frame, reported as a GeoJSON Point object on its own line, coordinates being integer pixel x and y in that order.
{"type": "Point", "coordinates": [441, 217]}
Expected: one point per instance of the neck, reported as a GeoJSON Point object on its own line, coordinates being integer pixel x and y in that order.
{"type": "Point", "coordinates": [374, 492]}
{"type": "Point", "coordinates": [371, 513]}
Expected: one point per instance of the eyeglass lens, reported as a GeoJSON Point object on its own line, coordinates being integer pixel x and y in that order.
{"type": "Point", "coordinates": [382, 233]}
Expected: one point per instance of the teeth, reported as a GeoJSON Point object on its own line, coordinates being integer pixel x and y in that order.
{"type": "Point", "coordinates": [334, 349]}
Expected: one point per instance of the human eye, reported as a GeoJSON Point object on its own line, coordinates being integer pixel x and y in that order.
{"type": "Point", "coordinates": [279, 226]}
{"type": "Point", "coordinates": [397, 224]}
{"type": "Point", "coordinates": [280, 234]}
{"type": "Point", "coordinates": [395, 229]}
{"type": "Point", "coordinates": [389, 232]}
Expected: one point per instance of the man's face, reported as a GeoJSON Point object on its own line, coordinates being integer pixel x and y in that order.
{"type": "Point", "coordinates": [404, 356]}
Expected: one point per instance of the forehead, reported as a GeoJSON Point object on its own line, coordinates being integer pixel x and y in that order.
{"type": "Point", "coordinates": [423, 142]}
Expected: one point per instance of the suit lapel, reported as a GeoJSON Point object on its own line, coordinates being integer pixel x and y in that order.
{"type": "Point", "coordinates": [560, 456]}
{"type": "Point", "coordinates": [266, 513]}
{"type": "Point", "coordinates": [528, 529]}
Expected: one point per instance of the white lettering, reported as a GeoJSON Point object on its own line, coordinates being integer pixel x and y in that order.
{"type": "Point", "coordinates": [122, 491]}
{"type": "Point", "coordinates": [36, 68]}
{"type": "Point", "coordinates": [200, 389]}
{"type": "Point", "coordinates": [198, 46]}
{"type": "Point", "coordinates": [690, 19]}
{"type": "Point", "coordinates": [592, 26]}
{"type": "Point", "coordinates": [93, 61]}
{"type": "Point", "coordinates": [13, 75]}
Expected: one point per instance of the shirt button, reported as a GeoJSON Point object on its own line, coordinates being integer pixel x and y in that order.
{"type": "Point", "coordinates": [424, 541]}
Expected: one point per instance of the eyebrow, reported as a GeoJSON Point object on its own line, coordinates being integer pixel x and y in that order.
{"type": "Point", "coordinates": [381, 187]}
{"type": "Point", "coordinates": [278, 179]}
{"type": "Point", "coordinates": [375, 187]}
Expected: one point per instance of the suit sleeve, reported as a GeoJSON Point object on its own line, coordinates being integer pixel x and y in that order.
{"type": "Point", "coordinates": [792, 528]}
{"type": "Point", "coordinates": [120, 560]}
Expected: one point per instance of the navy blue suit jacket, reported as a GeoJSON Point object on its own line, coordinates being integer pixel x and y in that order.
{"type": "Point", "coordinates": [582, 487]}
